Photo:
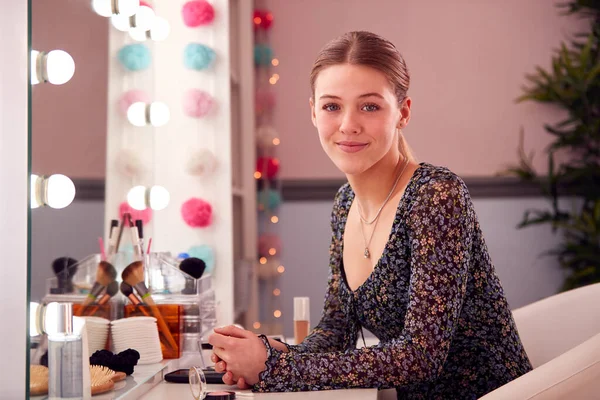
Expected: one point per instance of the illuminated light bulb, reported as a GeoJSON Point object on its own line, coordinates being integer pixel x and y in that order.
{"type": "Point", "coordinates": [276, 76]}
{"type": "Point", "coordinates": [136, 198]}
{"type": "Point", "coordinates": [272, 251]}
{"type": "Point", "coordinates": [141, 197]}
{"type": "Point", "coordinates": [256, 325]}
{"type": "Point", "coordinates": [35, 200]}
{"type": "Point", "coordinates": [274, 219]}
{"type": "Point", "coordinates": [281, 269]}
{"type": "Point", "coordinates": [159, 198]}
{"type": "Point", "coordinates": [56, 67]}
{"type": "Point", "coordinates": [257, 175]}
{"type": "Point", "coordinates": [272, 80]}
{"type": "Point", "coordinates": [155, 114]}
{"type": "Point", "coordinates": [276, 142]}
{"type": "Point", "coordinates": [263, 260]}
{"type": "Point", "coordinates": [276, 292]}
{"type": "Point", "coordinates": [143, 20]}
{"type": "Point", "coordinates": [107, 8]}
{"type": "Point", "coordinates": [160, 31]}
{"type": "Point", "coordinates": [274, 62]}
{"type": "Point", "coordinates": [159, 114]}
{"type": "Point", "coordinates": [277, 313]}
{"type": "Point", "coordinates": [60, 191]}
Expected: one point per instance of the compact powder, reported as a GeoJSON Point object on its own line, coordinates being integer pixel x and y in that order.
{"type": "Point", "coordinates": [220, 395]}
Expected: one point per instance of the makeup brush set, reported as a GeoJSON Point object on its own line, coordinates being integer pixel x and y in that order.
{"type": "Point", "coordinates": [113, 284]}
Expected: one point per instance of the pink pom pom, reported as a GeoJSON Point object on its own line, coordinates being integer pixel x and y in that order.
{"type": "Point", "coordinates": [197, 103]}
{"type": "Point", "coordinates": [130, 97]}
{"type": "Point", "coordinates": [145, 3]}
{"type": "Point", "coordinates": [267, 242]}
{"type": "Point", "coordinates": [197, 12]}
{"type": "Point", "coordinates": [144, 215]}
{"type": "Point", "coordinates": [265, 101]}
{"type": "Point", "coordinates": [197, 213]}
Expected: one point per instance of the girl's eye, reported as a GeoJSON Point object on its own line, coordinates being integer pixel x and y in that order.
{"type": "Point", "coordinates": [331, 107]}
{"type": "Point", "coordinates": [371, 107]}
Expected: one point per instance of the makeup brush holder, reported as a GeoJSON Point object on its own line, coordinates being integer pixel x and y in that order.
{"type": "Point", "coordinates": [170, 285]}
{"type": "Point", "coordinates": [85, 275]}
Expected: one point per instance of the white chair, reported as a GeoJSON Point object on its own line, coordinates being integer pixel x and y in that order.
{"type": "Point", "coordinates": [556, 324]}
{"type": "Point", "coordinates": [561, 335]}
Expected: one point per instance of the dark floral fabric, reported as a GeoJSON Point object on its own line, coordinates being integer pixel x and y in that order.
{"type": "Point", "coordinates": [433, 300]}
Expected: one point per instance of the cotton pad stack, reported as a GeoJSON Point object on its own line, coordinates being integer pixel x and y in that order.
{"type": "Point", "coordinates": [138, 333]}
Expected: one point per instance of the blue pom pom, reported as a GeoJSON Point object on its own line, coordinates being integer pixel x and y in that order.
{"type": "Point", "coordinates": [206, 254]}
{"type": "Point", "coordinates": [263, 54]}
{"type": "Point", "coordinates": [269, 199]}
{"type": "Point", "coordinates": [183, 256]}
{"type": "Point", "coordinates": [198, 56]}
{"type": "Point", "coordinates": [135, 57]}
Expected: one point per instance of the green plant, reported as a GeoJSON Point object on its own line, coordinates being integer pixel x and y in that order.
{"type": "Point", "coordinates": [572, 84]}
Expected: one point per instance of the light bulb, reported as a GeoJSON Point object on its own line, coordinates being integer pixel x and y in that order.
{"type": "Point", "coordinates": [136, 198]}
{"type": "Point", "coordinates": [103, 8]}
{"type": "Point", "coordinates": [60, 191]}
{"type": "Point", "coordinates": [56, 67]}
{"type": "Point", "coordinates": [121, 22]}
{"type": "Point", "coordinates": [160, 29]}
{"type": "Point", "coordinates": [128, 8]}
{"type": "Point", "coordinates": [159, 114]}
{"type": "Point", "coordinates": [33, 67]}
{"type": "Point", "coordinates": [34, 328]}
{"type": "Point", "coordinates": [138, 34]}
{"type": "Point", "coordinates": [159, 198]}
{"type": "Point", "coordinates": [60, 67]}
{"type": "Point", "coordinates": [144, 18]}
{"type": "Point", "coordinates": [136, 113]}
{"type": "Point", "coordinates": [35, 202]}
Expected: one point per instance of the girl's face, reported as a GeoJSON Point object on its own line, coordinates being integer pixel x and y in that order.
{"type": "Point", "coordinates": [357, 114]}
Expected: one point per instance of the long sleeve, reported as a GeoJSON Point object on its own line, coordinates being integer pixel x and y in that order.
{"type": "Point", "coordinates": [440, 232]}
{"type": "Point", "coordinates": [334, 331]}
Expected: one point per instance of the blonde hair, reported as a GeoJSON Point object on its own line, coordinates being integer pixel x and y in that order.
{"type": "Point", "coordinates": [370, 50]}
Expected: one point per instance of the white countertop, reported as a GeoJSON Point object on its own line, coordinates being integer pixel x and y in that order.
{"type": "Point", "coordinates": [166, 390]}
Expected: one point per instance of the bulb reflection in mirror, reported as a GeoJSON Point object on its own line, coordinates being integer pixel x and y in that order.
{"type": "Point", "coordinates": [143, 19]}
{"type": "Point", "coordinates": [106, 8]}
{"type": "Point", "coordinates": [155, 114]}
{"type": "Point", "coordinates": [56, 67]}
{"type": "Point", "coordinates": [141, 197]}
{"type": "Point", "coordinates": [160, 31]}
{"type": "Point", "coordinates": [56, 191]}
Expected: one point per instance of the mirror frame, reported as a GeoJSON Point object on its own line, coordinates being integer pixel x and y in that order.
{"type": "Point", "coordinates": [14, 197]}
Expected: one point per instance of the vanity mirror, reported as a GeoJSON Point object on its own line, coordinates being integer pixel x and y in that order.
{"type": "Point", "coordinates": [137, 138]}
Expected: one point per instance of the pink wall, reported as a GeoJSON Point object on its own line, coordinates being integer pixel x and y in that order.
{"type": "Point", "coordinates": [467, 60]}
{"type": "Point", "coordinates": [69, 121]}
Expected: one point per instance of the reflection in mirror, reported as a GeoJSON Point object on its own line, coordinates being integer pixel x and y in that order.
{"type": "Point", "coordinates": [126, 221]}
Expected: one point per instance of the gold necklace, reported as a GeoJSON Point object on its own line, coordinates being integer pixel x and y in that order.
{"type": "Point", "coordinates": [367, 253]}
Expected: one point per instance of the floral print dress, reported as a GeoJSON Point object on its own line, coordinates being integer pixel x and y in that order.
{"type": "Point", "coordinates": [433, 300]}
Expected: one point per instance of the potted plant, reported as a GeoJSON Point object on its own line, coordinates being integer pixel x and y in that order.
{"type": "Point", "coordinates": [572, 84]}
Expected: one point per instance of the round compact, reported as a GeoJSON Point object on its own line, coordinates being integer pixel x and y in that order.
{"type": "Point", "coordinates": [220, 395]}
{"type": "Point", "coordinates": [197, 383]}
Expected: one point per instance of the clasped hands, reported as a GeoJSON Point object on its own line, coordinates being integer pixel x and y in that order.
{"type": "Point", "coordinates": [239, 353]}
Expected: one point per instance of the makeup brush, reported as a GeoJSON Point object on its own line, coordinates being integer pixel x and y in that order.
{"type": "Point", "coordinates": [105, 274]}
{"type": "Point", "coordinates": [133, 275]}
{"type": "Point", "coordinates": [135, 239]}
{"type": "Point", "coordinates": [194, 267]}
{"type": "Point", "coordinates": [64, 268]}
{"type": "Point", "coordinates": [127, 291]}
{"type": "Point", "coordinates": [112, 238]}
{"type": "Point", "coordinates": [111, 290]}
